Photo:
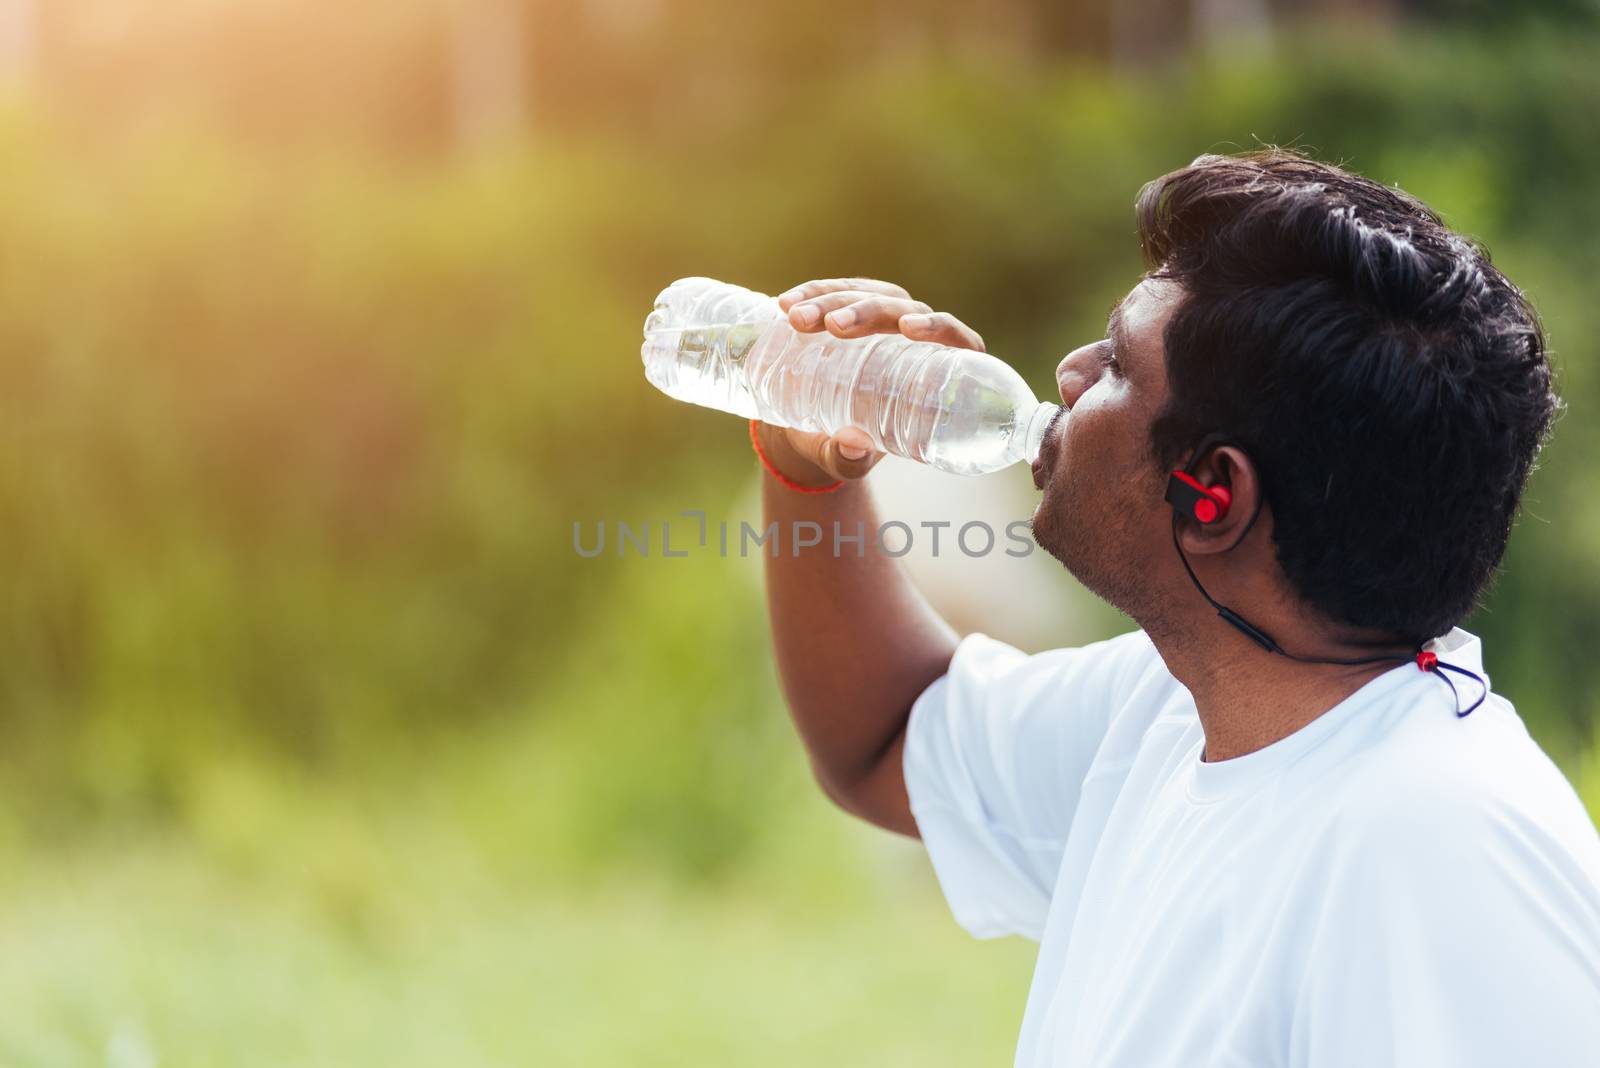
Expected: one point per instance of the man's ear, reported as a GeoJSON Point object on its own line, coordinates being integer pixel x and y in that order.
{"type": "Point", "coordinates": [1228, 466]}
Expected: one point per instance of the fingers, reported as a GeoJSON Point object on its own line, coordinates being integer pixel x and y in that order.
{"type": "Point", "coordinates": [942, 328]}
{"type": "Point", "coordinates": [856, 307]}
{"type": "Point", "coordinates": [833, 285]}
{"type": "Point", "coordinates": [853, 313]}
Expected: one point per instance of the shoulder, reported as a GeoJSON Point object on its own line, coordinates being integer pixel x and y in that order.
{"type": "Point", "coordinates": [1436, 797]}
{"type": "Point", "coordinates": [1041, 718]}
{"type": "Point", "coordinates": [1096, 682]}
{"type": "Point", "coordinates": [981, 655]}
{"type": "Point", "coordinates": [1452, 881]}
{"type": "Point", "coordinates": [1453, 832]}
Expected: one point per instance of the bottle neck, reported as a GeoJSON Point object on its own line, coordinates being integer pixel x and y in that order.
{"type": "Point", "coordinates": [1026, 444]}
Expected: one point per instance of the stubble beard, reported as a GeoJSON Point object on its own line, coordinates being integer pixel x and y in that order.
{"type": "Point", "coordinates": [1099, 549]}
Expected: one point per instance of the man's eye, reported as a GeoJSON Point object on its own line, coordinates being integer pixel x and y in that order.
{"type": "Point", "coordinates": [1108, 357]}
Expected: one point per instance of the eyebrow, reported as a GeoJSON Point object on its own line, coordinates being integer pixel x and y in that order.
{"type": "Point", "coordinates": [1114, 318]}
{"type": "Point", "coordinates": [1114, 325]}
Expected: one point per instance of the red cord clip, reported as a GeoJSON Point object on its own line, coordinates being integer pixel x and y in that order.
{"type": "Point", "coordinates": [1427, 661]}
{"type": "Point", "coordinates": [755, 443]}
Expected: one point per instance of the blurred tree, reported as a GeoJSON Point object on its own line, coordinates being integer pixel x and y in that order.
{"type": "Point", "coordinates": [489, 79]}
{"type": "Point", "coordinates": [434, 76]}
{"type": "Point", "coordinates": [1554, 13]}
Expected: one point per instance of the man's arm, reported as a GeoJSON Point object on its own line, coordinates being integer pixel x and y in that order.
{"type": "Point", "coordinates": [856, 643]}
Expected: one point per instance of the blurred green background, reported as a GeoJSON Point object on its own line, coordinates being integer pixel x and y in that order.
{"type": "Point", "coordinates": [319, 323]}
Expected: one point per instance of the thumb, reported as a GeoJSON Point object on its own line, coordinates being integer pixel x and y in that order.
{"type": "Point", "coordinates": [814, 458]}
{"type": "Point", "coordinates": [850, 454]}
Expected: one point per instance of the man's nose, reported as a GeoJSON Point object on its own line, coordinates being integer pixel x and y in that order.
{"type": "Point", "coordinates": [1077, 371]}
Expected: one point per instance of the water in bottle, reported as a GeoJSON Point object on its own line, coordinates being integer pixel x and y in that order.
{"type": "Point", "coordinates": [725, 347]}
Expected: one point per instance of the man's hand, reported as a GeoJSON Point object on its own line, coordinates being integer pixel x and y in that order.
{"type": "Point", "coordinates": [851, 308]}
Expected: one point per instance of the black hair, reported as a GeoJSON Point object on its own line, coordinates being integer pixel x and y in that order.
{"type": "Point", "coordinates": [1390, 385]}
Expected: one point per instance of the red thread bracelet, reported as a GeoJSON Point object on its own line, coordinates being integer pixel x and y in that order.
{"type": "Point", "coordinates": [755, 443]}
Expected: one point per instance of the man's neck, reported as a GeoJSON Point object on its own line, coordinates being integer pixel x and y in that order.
{"type": "Point", "coordinates": [1249, 698]}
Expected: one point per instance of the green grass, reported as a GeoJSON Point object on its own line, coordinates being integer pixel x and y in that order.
{"type": "Point", "coordinates": [315, 926]}
{"type": "Point", "coordinates": [150, 954]}
{"type": "Point", "coordinates": [307, 923]}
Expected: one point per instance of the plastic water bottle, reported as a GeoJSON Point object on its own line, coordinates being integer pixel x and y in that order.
{"type": "Point", "coordinates": [722, 346]}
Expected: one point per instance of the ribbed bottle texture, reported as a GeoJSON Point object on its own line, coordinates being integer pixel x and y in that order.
{"type": "Point", "coordinates": [725, 347]}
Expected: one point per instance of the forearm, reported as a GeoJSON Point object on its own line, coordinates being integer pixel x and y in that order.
{"type": "Point", "coordinates": [855, 641]}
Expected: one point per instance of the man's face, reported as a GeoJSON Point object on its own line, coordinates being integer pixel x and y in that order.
{"type": "Point", "coordinates": [1102, 514]}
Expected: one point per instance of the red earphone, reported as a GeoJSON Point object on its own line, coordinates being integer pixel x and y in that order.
{"type": "Point", "coordinates": [1205, 504]}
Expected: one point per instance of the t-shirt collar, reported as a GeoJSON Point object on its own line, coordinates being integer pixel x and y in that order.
{"type": "Point", "coordinates": [1460, 649]}
{"type": "Point", "coordinates": [1213, 781]}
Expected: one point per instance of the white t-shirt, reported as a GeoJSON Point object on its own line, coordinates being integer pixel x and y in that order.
{"type": "Point", "coordinates": [1389, 885]}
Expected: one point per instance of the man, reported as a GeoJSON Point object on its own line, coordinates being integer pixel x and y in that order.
{"type": "Point", "coordinates": [1286, 822]}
